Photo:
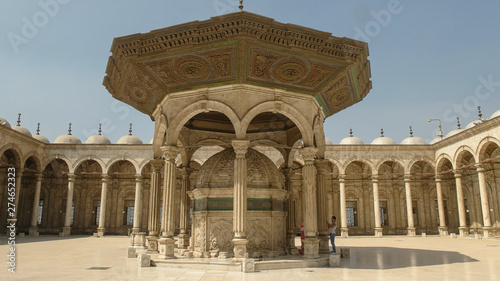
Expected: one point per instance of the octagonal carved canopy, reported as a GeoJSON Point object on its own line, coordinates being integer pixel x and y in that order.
{"type": "Point", "coordinates": [238, 48]}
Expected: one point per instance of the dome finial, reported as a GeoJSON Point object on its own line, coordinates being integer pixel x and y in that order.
{"type": "Point", "coordinates": [479, 114]}
{"type": "Point", "coordinates": [69, 129]}
{"type": "Point", "coordinates": [38, 129]}
{"type": "Point", "coordinates": [458, 123]}
{"type": "Point", "coordinates": [350, 132]}
{"type": "Point", "coordinates": [241, 5]}
{"type": "Point", "coordinates": [100, 129]}
{"type": "Point", "coordinates": [130, 130]}
{"type": "Point", "coordinates": [19, 119]}
{"type": "Point", "coordinates": [411, 131]}
{"type": "Point", "coordinates": [382, 132]}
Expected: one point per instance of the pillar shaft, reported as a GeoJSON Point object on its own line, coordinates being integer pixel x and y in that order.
{"type": "Point", "coordinates": [376, 202]}
{"type": "Point", "coordinates": [137, 204]}
{"type": "Point", "coordinates": [36, 200]}
{"type": "Point", "coordinates": [154, 198]}
{"type": "Point", "coordinates": [184, 206]}
{"type": "Point", "coordinates": [483, 192]}
{"type": "Point", "coordinates": [240, 189]}
{"type": "Point", "coordinates": [439, 191]}
{"type": "Point", "coordinates": [460, 200]}
{"type": "Point", "coordinates": [290, 208]}
{"type": "Point", "coordinates": [322, 211]}
{"type": "Point", "coordinates": [343, 214]}
{"type": "Point", "coordinates": [69, 200]}
{"type": "Point", "coordinates": [19, 176]}
{"type": "Point", "coordinates": [102, 209]}
{"type": "Point", "coordinates": [409, 202]}
{"type": "Point", "coordinates": [309, 192]}
{"type": "Point", "coordinates": [168, 217]}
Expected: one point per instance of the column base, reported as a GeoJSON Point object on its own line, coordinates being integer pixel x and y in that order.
{"type": "Point", "coordinates": [378, 232]}
{"type": "Point", "coordinates": [152, 244]}
{"type": "Point", "coordinates": [183, 242]}
{"type": "Point", "coordinates": [324, 244]}
{"type": "Point", "coordinates": [138, 240]}
{"type": "Point", "coordinates": [166, 248]}
{"type": "Point", "coordinates": [412, 231]}
{"type": "Point", "coordinates": [100, 231]}
{"type": "Point", "coordinates": [34, 231]}
{"type": "Point", "coordinates": [487, 232]}
{"type": "Point", "coordinates": [66, 231]}
{"type": "Point", "coordinates": [463, 230]}
{"type": "Point", "coordinates": [344, 232]}
{"type": "Point", "coordinates": [311, 248]}
{"type": "Point", "coordinates": [240, 247]}
{"type": "Point", "coordinates": [443, 231]}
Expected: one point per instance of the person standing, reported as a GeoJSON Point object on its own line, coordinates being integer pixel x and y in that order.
{"type": "Point", "coordinates": [331, 229]}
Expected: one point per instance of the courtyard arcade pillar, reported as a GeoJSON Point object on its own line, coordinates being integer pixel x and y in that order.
{"type": "Point", "coordinates": [101, 229]}
{"type": "Point", "coordinates": [485, 207]}
{"type": "Point", "coordinates": [311, 242]}
{"type": "Point", "coordinates": [138, 237]}
{"type": "Point", "coordinates": [290, 208]}
{"type": "Point", "coordinates": [463, 229]}
{"type": "Point", "coordinates": [69, 203]}
{"type": "Point", "coordinates": [19, 177]}
{"type": "Point", "coordinates": [183, 241]}
{"type": "Point", "coordinates": [36, 202]}
{"type": "Point", "coordinates": [322, 211]}
{"type": "Point", "coordinates": [154, 206]}
{"type": "Point", "coordinates": [409, 206]}
{"type": "Point", "coordinates": [376, 206]}
{"type": "Point", "coordinates": [166, 243]}
{"type": "Point", "coordinates": [344, 231]}
{"type": "Point", "coordinates": [443, 229]}
{"type": "Point", "coordinates": [240, 198]}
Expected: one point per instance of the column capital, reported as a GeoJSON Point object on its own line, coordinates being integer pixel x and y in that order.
{"type": "Point", "coordinates": [39, 176]}
{"type": "Point", "coordinates": [321, 165]}
{"type": "Point", "coordinates": [479, 168]}
{"type": "Point", "coordinates": [138, 178]}
{"type": "Point", "coordinates": [457, 173]}
{"type": "Point", "coordinates": [170, 153]}
{"type": "Point", "coordinates": [308, 153]}
{"type": "Point", "coordinates": [437, 178]}
{"type": "Point", "coordinates": [342, 177]}
{"type": "Point", "coordinates": [407, 177]}
{"type": "Point", "coordinates": [375, 177]}
{"type": "Point", "coordinates": [105, 178]}
{"type": "Point", "coordinates": [240, 147]}
{"type": "Point", "coordinates": [71, 177]}
{"type": "Point", "coordinates": [156, 164]}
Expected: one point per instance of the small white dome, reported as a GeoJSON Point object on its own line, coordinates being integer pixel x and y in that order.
{"type": "Point", "coordinates": [454, 132]}
{"type": "Point", "coordinates": [413, 141]}
{"type": "Point", "coordinates": [4, 122]}
{"type": "Point", "coordinates": [97, 139]}
{"type": "Point", "coordinates": [67, 139]}
{"type": "Point", "coordinates": [128, 139]}
{"type": "Point", "coordinates": [496, 114]}
{"type": "Point", "coordinates": [438, 139]}
{"type": "Point", "coordinates": [22, 130]}
{"type": "Point", "coordinates": [383, 141]}
{"type": "Point", "coordinates": [41, 138]}
{"type": "Point", "coordinates": [328, 141]}
{"type": "Point", "coordinates": [351, 141]}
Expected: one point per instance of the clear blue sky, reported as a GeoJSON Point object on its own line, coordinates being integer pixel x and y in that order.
{"type": "Point", "coordinates": [428, 59]}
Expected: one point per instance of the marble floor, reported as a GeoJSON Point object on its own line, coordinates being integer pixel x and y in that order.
{"type": "Point", "coordinates": [386, 258]}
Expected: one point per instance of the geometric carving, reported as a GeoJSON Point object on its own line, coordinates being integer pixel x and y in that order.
{"type": "Point", "coordinates": [193, 68]}
{"type": "Point", "coordinates": [290, 70]}
{"type": "Point", "coordinates": [220, 237]}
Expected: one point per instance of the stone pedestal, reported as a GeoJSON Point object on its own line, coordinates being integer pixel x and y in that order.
{"type": "Point", "coordinates": [152, 244]}
{"type": "Point", "coordinates": [131, 252]}
{"type": "Point", "coordinates": [100, 231]}
{"type": "Point", "coordinates": [144, 260]}
{"type": "Point", "coordinates": [464, 231]}
{"type": "Point", "coordinates": [443, 231]}
{"type": "Point", "coordinates": [240, 247]}
{"type": "Point", "coordinates": [345, 252]}
{"type": "Point", "coordinates": [334, 260]}
{"type": "Point", "coordinates": [166, 248]}
{"type": "Point", "coordinates": [290, 242]}
{"type": "Point", "coordinates": [344, 232]}
{"type": "Point", "coordinates": [412, 231]}
{"type": "Point", "coordinates": [139, 239]}
{"type": "Point", "coordinates": [183, 242]}
{"type": "Point", "coordinates": [378, 232]}
{"type": "Point", "coordinates": [248, 265]}
{"type": "Point", "coordinates": [34, 231]}
{"type": "Point", "coordinates": [487, 232]}
{"type": "Point", "coordinates": [324, 244]}
{"type": "Point", "coordinates": [66, 231]}
{"type": "Point", "coordinates": [311, 248]}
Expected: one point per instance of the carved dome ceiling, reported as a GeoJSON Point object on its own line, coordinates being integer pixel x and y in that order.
{"type": "Point", "coordinates": [238, 48]}
{"type": "Point", "coordinates": [218, 171]}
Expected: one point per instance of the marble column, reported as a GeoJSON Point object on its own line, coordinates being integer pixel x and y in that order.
{"type": "Point", "coordinates": [69, 203]}
{"type": "Point", "coordinates": [311, 242]}
{"type": "Point", "coordinates": [443, 229]}
{"type": "Point", "coordinates": [344, 230]}
{"type": "Point", "coordinates": [290, 219]}
{"type": "Point", "coordinates": [463, 229]}
{"type": "Point", "coordinates": [485, 206]}
{"type": "Point", "coordinates": [240, 198]}
{"type": "Point", "coordinates": [183, 242]}
{"type": "Point", "coordinates": [376, 207]}
{"type": "Point", "coordinates": [138, 237]}
{"type": "Point", "coordinates": [154, 206]}
{"type": "Point", "coordinates": [101, 228]}
{"type": "Point", "coordinates": [322, 211]}
{"type": "Point", "coordinates": [166, 242]}
{"type": "Point", "coordinates": [19, 177]}
{"type": "Point", "coordinates": [409, 206]}
{"type": "Point", "coordinates": [36, 202]}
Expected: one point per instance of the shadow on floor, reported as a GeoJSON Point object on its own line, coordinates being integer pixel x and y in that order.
{"type": "Point", "coordinates": [390, 258]}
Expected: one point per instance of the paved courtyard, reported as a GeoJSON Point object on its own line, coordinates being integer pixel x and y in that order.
{"type": "Point", "coordinates": [387, 258]}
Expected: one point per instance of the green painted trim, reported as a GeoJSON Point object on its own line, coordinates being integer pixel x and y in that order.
{"type": "Point", "coordinates": [320, 101]}
{"type": "Point", "coordinates": [355, 80]}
